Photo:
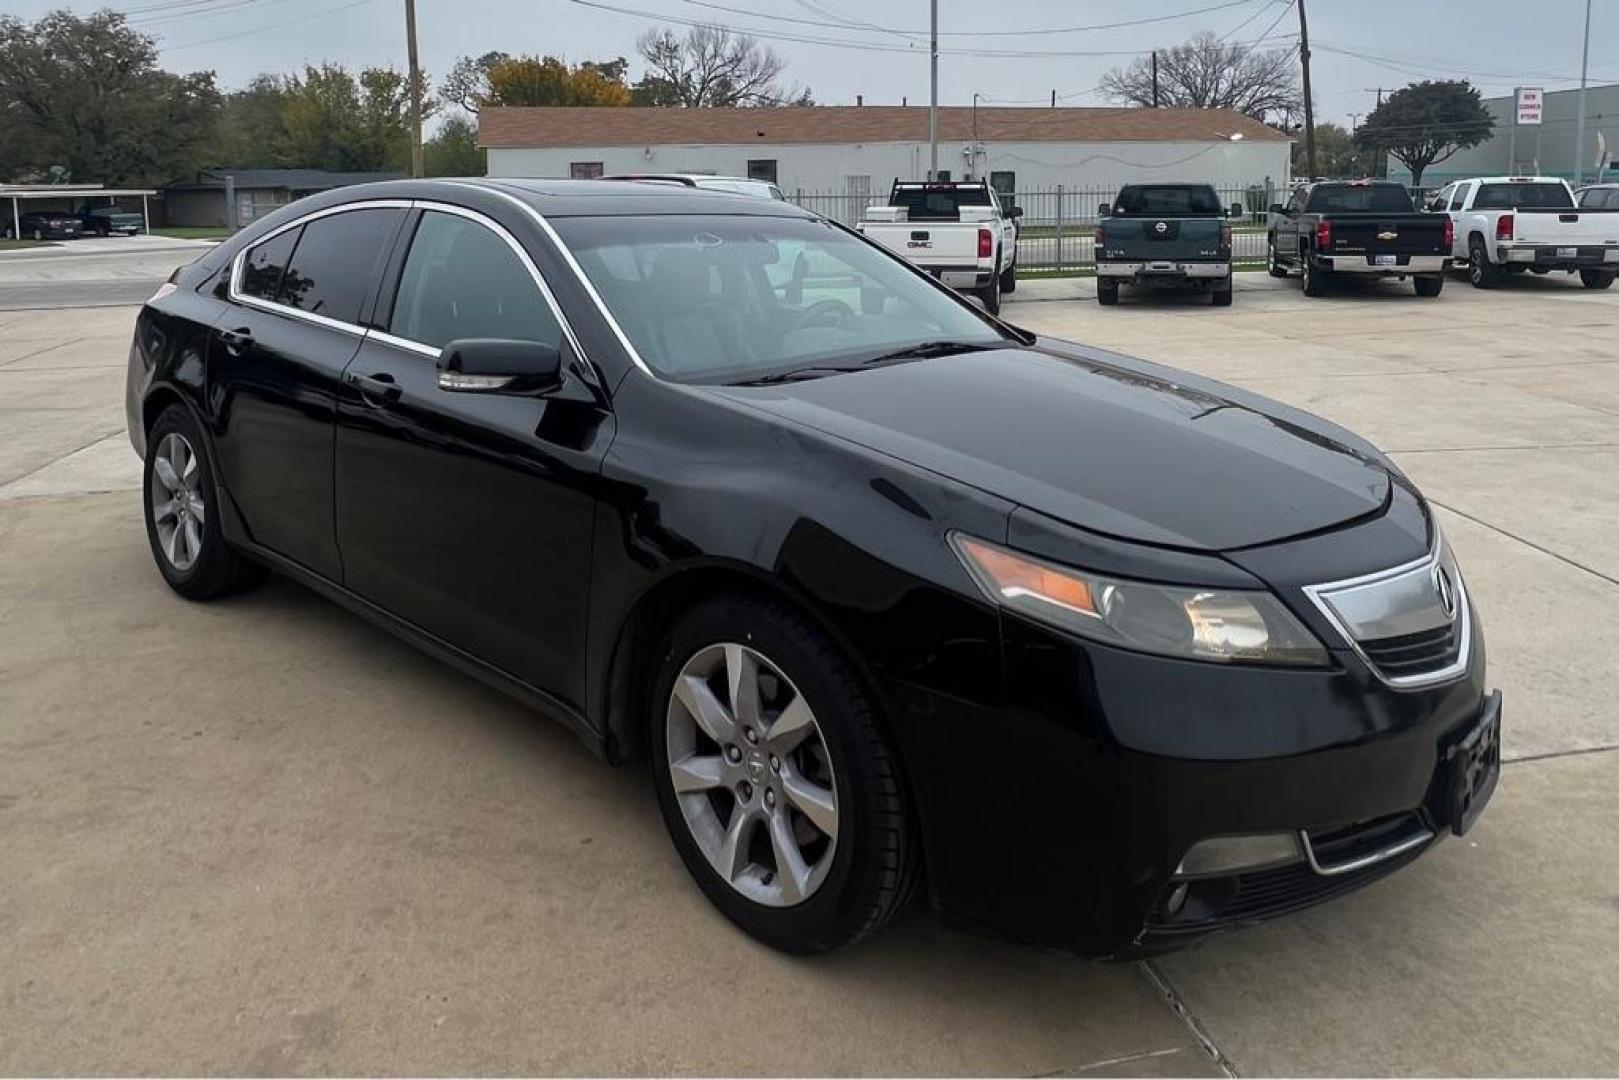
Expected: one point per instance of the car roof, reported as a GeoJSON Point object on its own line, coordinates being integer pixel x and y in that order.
{"type": "Point", "coordinates": [1515, 179]}
{"type": "Point", "coordinates": [584, 198]}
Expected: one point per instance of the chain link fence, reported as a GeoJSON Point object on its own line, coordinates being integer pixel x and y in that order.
{"type": "Point", "coordinates": [1058, 223]}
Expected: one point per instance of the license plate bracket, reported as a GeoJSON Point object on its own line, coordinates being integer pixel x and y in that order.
{"type": "Point", "coordinates": [1386, 260]}
{"type": "Point", "coordinates": [1474, 767]}
{"type": "Point", "coordinates": [1568, 253]}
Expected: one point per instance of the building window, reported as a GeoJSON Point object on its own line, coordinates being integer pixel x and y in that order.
{"type": "Point", "coordinates": [762, 169]}
{"type": "Point", "coordinates": [943, 176]}
{"type": "Point", "coordinates": [585, 170]}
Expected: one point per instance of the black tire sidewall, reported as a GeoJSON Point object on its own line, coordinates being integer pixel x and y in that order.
{"type": "Point", "coordinates": [838, 909]}
{"type": "Point", "coordinates": [211, 573]}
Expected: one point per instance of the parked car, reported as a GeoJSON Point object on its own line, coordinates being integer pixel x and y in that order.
{"type": "Point", "coordinates": [1165, 236]}
{"type": "Point", "coordinates": [736, 185]}
{"type": "Point", "coordinates": [107, 220]}
{"type": "Point", "coordinates": [1598, 197]}
{"type": "Point", "coordinates": [957, 231]}
{"type": "Point", "coordinates": [1131, 655]}
{"type": "Point", "coordinates": [1360, 227]}
{"type": "Point", "coordinates": [1509, 224]}
{"type": "Point", "coordinates": [48, 225]}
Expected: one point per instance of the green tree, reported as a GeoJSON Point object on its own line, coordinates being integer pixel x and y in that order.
{"type": "Point", "coordinates": [86, 93]}
{"type": "Point", "coordinates": [252, 132]}
{"type": "Point", "coordinates": [331, 120]}
{"type": "Point", "coordinates": [1425, 123]}
{"type": "Point", "coordinates": [453, 150]}
{"type": "Point", "coordinates": [1336, 155]}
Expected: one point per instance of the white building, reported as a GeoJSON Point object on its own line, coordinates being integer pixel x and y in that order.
{"type": "Point", "coordinates": [853, 152]}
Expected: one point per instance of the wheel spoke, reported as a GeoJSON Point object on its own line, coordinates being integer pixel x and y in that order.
{"type": "Point", "coordinates": [813, 801]}
{"type": "Point", "coordinates": [164, 468]}
{"type": "Point", "coordinates": [188, 469]}
{"type": "Point", "coordinates": [193, 537]}
{"type": "Point", "coordinates": [733, 854]}
{"type": "Point", "coordinates": [697, 773]}
{"type": "Point", "coordinates": [742, 677]}
{"type": "Point", "coordinates": [791, 728]}
{"type": "Point", "coordinates": [171, 544]}
{"type": "Point", "coordinates": [167, 511]}
{"type": "Point", "coordinates": [705, 708]}
{"type": "Point", "coordinates": [791, 871]}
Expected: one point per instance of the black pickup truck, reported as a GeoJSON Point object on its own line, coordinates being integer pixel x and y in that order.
{"type": "Point", "coordinates": [1164, 235]}
{"type": "Point", "coordinates": [1358, 227]}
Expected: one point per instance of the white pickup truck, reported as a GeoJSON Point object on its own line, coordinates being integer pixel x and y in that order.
{"type": "Point", "coordinates": [1509, 224]}
{"type": "Point", "coordinates": [958, 232]}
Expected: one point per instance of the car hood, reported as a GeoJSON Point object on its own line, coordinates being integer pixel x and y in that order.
{"type": "Point", "coordinates": [1119, 448]}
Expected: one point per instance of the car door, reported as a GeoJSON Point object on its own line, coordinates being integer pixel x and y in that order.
{"type": "Point", "coordinates": [1287, 229]}
{"type": "Point", "coordinates": [469, 515]}
{"type": "Point", "coordinates": [276, 361]}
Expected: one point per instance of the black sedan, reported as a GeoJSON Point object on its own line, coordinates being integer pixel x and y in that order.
{"type": "Point", "coordinates": [892, 595]}
{"type": "Point", "coordinates": [49, 225]}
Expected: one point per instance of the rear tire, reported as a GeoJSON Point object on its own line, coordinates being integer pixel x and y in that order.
{"type": "Point", "coordinates": [182, 513]}
{"type": "Point", "coordinates": [1315, 278]}
{"type": "Point", "coordinates": [1429, 284]}
{"type": "Point", "coordinates": [1480, 272]}
{"type": "Point", "coordinates": [991, 295]}
{"type": "Point", "coordinates": [1009, 279]}
{"type": "Point", "coordinates": [857, 877]}
{"type": "Point", "coordinates": [1221, 297]}
{"type": "Point", "coordinates": [1107, 292]}
{"type": "Point", "coordinates": [1596, 279]}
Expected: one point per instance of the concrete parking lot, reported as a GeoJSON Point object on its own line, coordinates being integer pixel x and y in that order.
{"type": "Point", "coordinates": [260, 836]}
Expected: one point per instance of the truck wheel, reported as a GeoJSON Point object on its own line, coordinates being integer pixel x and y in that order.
{"type": "Point", "coordinates": [991, 295]}
{"type": "Point", "coordinates": [1315, 278]}
{"type": "Point", "coordinates": [1009, 279]}
{"type": "Point", "coordinates": [1479, 271]}
{"type": "Point", "coordinates": [1221, 295]}
{"type": "Point", "coordinates": [1596, 279]}
{"type": "Point", "coordinates": [1107, 292]}
{"type": "Point", "coordinates": [1272, 266]}
{"type": "Point", "coordinates": [1429, 284]}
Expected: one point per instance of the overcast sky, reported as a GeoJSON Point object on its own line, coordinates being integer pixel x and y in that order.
{"type": "Point", "coordinates": [1496, 43]}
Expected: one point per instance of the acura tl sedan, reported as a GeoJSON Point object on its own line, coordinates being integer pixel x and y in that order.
{"type": "Point", "coordinates": [893, 596]}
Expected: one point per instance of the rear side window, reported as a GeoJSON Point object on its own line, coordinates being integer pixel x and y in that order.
{"type": "Point", "coordinates": [336, 262]}
{"type": "Point", "coordinates": [1522, 197]}
{"type": "Point", "coordinates": [262, 269]}
{"type": "Point", "coordinates": [461, 280]}
{"type": "Point", "coordinates": [1599, 198]}
{"type": "Point", "coordinates": [1167, 200]}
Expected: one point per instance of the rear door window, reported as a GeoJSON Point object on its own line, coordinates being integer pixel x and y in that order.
{"type": "Point", "coordinates": [462, 280]}
{"type": "Point", "coordinates": [264, 265]}
{"type": "Point", "coordinates": [337, 262]}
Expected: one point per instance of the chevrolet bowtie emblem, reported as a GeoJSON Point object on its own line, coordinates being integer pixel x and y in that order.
{"type": "Point", "coordinates": [1387, 234]}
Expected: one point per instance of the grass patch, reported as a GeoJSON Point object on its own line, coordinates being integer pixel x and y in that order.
{"type": "Point", "coordinates": [1049, 232]}
{"type": "Point", "coordinates": [193, 232]}
{"type": "Point", "coordinates": [1041, 273]}
{"type": "Point", "coordinates": [18, 245]}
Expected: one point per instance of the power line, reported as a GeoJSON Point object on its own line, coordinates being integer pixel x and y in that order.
{"type": "Point", "coordinates": [856, 25]}
{"type": "Point", "coordinates": [271, 26]}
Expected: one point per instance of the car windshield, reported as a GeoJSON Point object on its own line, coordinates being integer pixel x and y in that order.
{"type": "Point", "coordinates": [707, 298]}
{"type": "Point", "coordinates": [1167, 200]}
{"type": "Point", "coordinates": [1359, 199]}
{"type": "Point", "coordinates": [1523, 197]}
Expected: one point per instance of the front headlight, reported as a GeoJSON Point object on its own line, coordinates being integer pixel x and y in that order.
{"type": "Point", "coordinates": [1170, 620]}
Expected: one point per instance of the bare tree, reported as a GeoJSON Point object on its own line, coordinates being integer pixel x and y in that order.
{"type": "Point", "coordinates": [712, 66]}
{"type": "Point", "coordinates": [1207, 73]}
{"type": "Point", "coordinates": [467, 84]}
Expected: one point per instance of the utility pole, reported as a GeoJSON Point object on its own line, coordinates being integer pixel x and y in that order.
{"type": "Point", "coordinates": [1054, 99]}
{"type": "Point", "coordinates": [972, 173]}
{"type": "Point", "coordinates": [1309, 110]}
{"type": "Point", "coordinates": [416, 166]}
{"type": "Point", "coordinates": [933, 99]}
{"type": "Point", "coordinates": [1579, 124]}
{"type": "Point", "coordinates": [1155, 78]}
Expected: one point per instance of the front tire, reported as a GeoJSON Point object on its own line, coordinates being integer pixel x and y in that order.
{"type": "Point", "coordinates": [182, 512]}
{"type": "Point", "coordinates": [1429, 284]}
{"type": "Point", "coordinates": [774, 780]}
{"type": "Point", "coordinates": [1596, 279]}
{"type": "Point", "coordinates": [1272, 266]}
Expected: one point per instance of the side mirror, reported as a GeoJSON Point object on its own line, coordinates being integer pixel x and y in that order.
{"type": "Point", "coordinates": [1105, 210]}
{"type": "Point", "coordinates": [1015, 212]}
{"type": "Point", "coordinates": [1276, 208]}
{"type": "Point", "coordinates": [1236, 210]}
{"type": "Point", "coordinates": [499, 366]}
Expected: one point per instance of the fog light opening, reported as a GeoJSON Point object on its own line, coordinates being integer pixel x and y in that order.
{"type": "Point", "coordinates": [1235, 854]}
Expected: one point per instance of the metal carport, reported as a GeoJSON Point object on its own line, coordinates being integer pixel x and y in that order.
{"type": "Point", "coordinates": [72, 194]}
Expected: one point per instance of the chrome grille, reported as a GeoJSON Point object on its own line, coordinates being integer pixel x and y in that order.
{"type": "Point", "coordinates": [1408, 654]}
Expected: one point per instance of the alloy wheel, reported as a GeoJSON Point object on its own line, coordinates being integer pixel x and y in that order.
{"type": "Point", "coordinates": [752, 774]}
{"type": "Point", "coordinates": [178, 510]}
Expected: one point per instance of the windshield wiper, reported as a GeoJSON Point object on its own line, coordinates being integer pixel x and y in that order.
{"type": "Point", "coordinates": [920, 351]}
{"type": "Point", "coordinates": [925, 349]}
{"type": "Point", "coordinates": [797, 374]}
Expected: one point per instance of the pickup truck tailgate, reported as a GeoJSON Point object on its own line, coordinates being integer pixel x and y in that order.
{"type": "Point", "coordinates": [1149, 238]}
{"type": "Point", "coordinates": [1397, 235]}
{"type": "Point", "coordinates": [1567, 227]}
{"type": "Point", "coordinates": [928, 243]}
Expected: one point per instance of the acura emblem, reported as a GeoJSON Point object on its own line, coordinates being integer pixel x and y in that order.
{"type": "Point", "coordinates": [1447, 591]}
{"type": "Point", "coordinates": [1162, 226]}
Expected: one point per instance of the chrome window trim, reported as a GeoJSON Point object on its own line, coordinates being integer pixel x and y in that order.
{"type": "Point", "coordinates": [234, 291]}
{"type": "Point", "coordinates": [405, 344]}
{"type": "Point", "coordinates": [573, 265]}
{"type": "Point", "coordinates": [1317, 594]}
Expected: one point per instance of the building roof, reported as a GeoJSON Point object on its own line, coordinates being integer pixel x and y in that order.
{"type": "Point", "coordinates": [290, 179]}
{"type": "Point", "coordinates": [634, 126]}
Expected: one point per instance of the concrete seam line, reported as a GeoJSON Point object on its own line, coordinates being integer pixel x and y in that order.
{"type": "Point", "coordinates": [43, 349]}
{"type": "Point", "coordinates": [1551, 755]}
{"type": "Point", "coordinates": [31, 472]}
{"type": "Point", "coordinates": [1446, 449]}
{"type": "Point", "coordinates": [1193, 1025]}
{"type": "Point", "coordinates": [1107, 1062]}
{"type": "Point", "coordinates": [1611, 580]}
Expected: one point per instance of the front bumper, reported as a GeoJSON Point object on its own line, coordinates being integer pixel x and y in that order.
{"type": "Point", "coordinates": [1554, 257]}
{"type": "Point", "coordinates": [1368, 264]}
{"type": "Point", "coordinates": [1164, 270]}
